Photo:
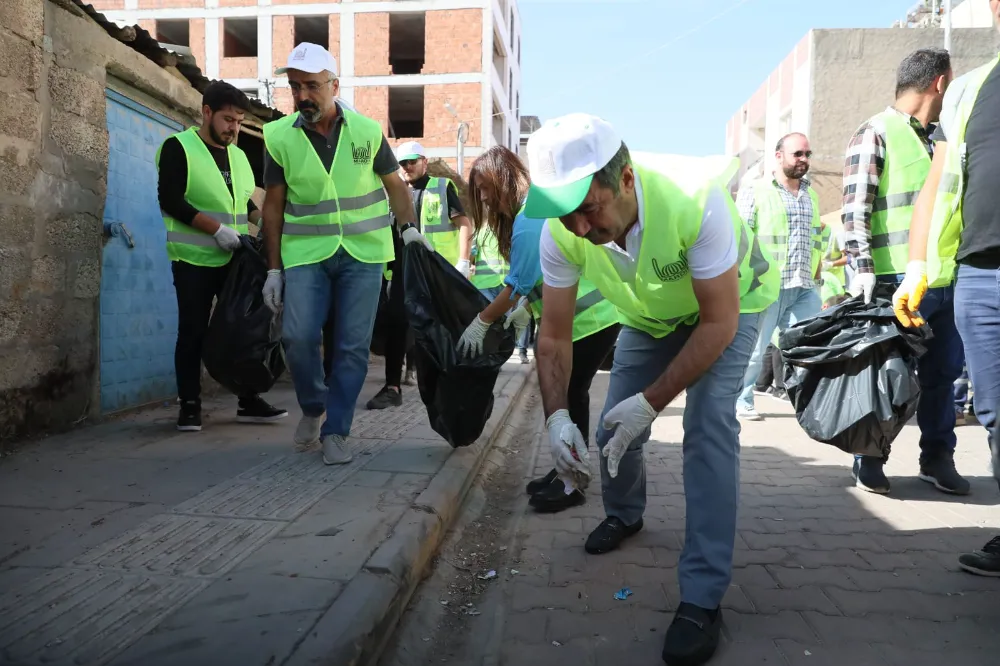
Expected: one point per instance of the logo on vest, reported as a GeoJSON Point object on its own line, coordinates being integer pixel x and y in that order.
{"type": "Point", "coordinates": [673, 271]}
{"type": "Point", "coordinates": [362, 154]}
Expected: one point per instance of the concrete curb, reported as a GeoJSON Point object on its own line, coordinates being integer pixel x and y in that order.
{"type": "Point", "coordinates": [353, 631]}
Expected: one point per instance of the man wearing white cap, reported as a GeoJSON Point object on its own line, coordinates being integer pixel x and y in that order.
{"type": "Point", "coordinates": [661, 239]}
{"type": "Point", "coordinates": [328, 172]}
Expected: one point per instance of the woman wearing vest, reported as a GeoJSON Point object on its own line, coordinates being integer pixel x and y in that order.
{"type": "Point", "coordinates": [661, 239]}
{"type": "Point", "coordinates": [330, 177]}
{"type": "Point", "coordinates": [205, 183]}
{"type": "Point", "coordinates": [955, 239]}
{"type": "Point", "coordinates": [888, 161]}
{"type": "Point", "coordinates": [498, 186]}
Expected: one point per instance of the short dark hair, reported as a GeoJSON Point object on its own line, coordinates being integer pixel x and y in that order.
{"type": "Point", "coordinates": [781, 141]}
{"type": "Point", "coordinates": [920, 69]}
{"type": "Point", "coordinates": [610, 175]}
{"type": "Point", "coordinates": [219, 94]}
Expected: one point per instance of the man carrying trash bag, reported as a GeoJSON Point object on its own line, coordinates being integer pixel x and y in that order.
{"type": "Point", "coordinates": [205, 183]}
{"type": "Point", "coordinates": [661, 239]}
{"type": "Point", "coordinates": [955, 239]}
{"type": "Point", "coordinates": [887, 162]}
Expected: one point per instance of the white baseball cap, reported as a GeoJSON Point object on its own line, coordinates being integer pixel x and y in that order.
{"type": "Point", "coordinates": [308, 57]}
{"type": "Point", "coordinates": [563, 156]}
{"type": "Point", "coordinates": [409, 150]}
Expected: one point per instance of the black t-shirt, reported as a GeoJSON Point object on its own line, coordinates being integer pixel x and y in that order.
{"type": "Point", "coordinates": [980, 243]}
{"type": "Point", "coordinates": [173, 179]}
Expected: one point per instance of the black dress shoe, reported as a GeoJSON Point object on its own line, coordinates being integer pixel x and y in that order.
{"type": "Point", "coordinates": [553, 498]}
{"type": "Point", "coordinates": [609, 535]}
{"type": "Point", "coordinates": [538, 484]}
{"type": "Point", "coordinates": [693, 636]}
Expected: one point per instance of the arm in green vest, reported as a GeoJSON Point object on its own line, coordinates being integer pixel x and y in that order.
{"type": "Point", "coordinates": [273, 214]}
{"type": "Point", "coordinates": [400, 202]}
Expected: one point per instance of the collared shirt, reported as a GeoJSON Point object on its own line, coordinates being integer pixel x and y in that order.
{"type": "Point", "coordinates": [799, 209]}
{"type": "Point", "coordinates": [325, 146]}
{"type": "Point", "coordinates": [863, 168]}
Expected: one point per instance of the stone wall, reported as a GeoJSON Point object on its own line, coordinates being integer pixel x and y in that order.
{"type": "Point", "coordinates": [55, 63]}
{"type": "Point", "coordinates": [854, 77]}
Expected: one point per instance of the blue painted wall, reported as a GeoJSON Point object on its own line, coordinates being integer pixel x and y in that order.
{"type": "Point", "coordinates": [138, 305]}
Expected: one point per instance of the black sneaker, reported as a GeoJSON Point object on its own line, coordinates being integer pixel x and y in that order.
{"type": "Point", "coordinates": [553, 498]}
{"type": "Point", "coordinates": [257, 410]}
{"type": "Point", "coordinates": [693, 636]}
{"type": "Point", "coordinates": [868, 475]}
{"type": "Point", "coordinates": [389, 396]}
{"type": "Point", "coordinates": [942, 473]}
{"type": "Point", "coordinates": [189, 420]}
{"type": "Point", "coordinates": [985, 562]}
{"type": "Point", "coordinates": [538, 484]}
{"type": "Point", "coordinates": [609, 535]}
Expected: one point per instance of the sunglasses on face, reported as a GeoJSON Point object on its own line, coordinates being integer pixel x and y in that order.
{"type": "Point", "coordinates": [406, 163]}
{"type": "Point", "coordinates": [802, 153]}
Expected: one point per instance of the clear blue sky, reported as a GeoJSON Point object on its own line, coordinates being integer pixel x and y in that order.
{"type": "Point", "coordinates": [590, 56]}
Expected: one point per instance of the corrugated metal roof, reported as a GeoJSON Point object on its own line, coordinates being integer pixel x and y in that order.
{"type": "Point", "coordinates": [137, 38]}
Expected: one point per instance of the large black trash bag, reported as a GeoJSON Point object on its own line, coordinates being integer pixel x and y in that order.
{"type": "Point", "coordinates": [242, 349]}
{"type": "Point", "coordinates": [440, 303]}
{"type": "Point", "coordinates": [851, 373]}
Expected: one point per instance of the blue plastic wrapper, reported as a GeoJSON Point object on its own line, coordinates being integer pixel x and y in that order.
{"type": "Point", "coordinates": [623, 594]}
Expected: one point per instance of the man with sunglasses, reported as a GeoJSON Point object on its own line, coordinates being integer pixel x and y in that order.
{"type": "Point", "coordinates": [888, 161]}
{"type": "Point", "coordinates": [331, 180]}
{"type": "Point", "coordinates": [783, 209]}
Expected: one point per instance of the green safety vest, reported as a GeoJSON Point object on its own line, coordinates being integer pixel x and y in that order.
{"type": "Point", "coordinates": [207, 191]}
{"type": "Point", "coordinates": [907, 164]}
{"type": "Point", "coordinates": [833, 253]}
{"type": "Point", "coordinates": [946, 220]}
{"type": "Point", "coordinates": [832, 286]}
{"type": "Point", "coordinates": [490, 266]}
{"type": "Point", "coordinates": [592, 313]}
{"type": "Point", "coordinates": [435, 220]}
{"type": "Point", "coordinates": [662, 297]}
{"type": "Point", "coordinates": [772, 224]}
{"type": "Point", "coordinates": [324, 210]}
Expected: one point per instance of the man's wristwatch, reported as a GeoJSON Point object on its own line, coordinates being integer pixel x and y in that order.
{"type": "Point", "coordinates": [408, 225]}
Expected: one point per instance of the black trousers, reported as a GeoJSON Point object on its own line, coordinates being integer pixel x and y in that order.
{"type": "Point", "coordinates": [197, 287]}
{"type": "Point", "coordinates": [397, 339]}
{"type": "Point", "coordinates": [771, 370]}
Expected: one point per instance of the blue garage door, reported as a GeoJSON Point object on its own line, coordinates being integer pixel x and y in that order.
{"type": "Point", "coordinates": [138, 305]}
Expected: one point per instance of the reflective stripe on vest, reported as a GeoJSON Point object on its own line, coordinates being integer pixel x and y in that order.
{"type": "Point", "coordinates": [435, 221]}
{"type": "Point", "coordinates": [946, 220]}
{"type": "Point", "coordinates": [772, 224]}
{"type": "Point", "coordinates": [326, 209]}
{"type": "Point", "coordinates": [662, 295]}
{"type": "Point", "coordinates": [907, 164]}
{"type": "Point", "coordinates": [490, 267]}
{"type": "Point", "coordinates": [207, 191]}
{"type": "Point", "coordinates": [592, 313]}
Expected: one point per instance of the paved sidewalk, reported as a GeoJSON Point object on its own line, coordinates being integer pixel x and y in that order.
{"type": "Point", "coordinates": [131, 543]}
{"type": "Point", "coordinates": [825, 574]}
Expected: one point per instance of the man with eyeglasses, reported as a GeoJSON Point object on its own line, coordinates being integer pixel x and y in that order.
{"type": "Point", "coordinates": [783, 210]}
{"type": "Point", "coordinates": [330, 178]}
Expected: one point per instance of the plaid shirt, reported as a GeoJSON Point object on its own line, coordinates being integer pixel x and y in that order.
{"type": "Point", "coordinates": [862, 173]}
{"type": "Point", "coordinates": [797, 271]}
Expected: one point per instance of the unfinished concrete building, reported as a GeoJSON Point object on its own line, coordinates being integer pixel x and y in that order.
{"type": "Point", "coordinates": [422, 68]}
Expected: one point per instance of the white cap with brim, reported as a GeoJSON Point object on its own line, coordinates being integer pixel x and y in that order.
{"type": "Point", "coordinates": [311, 58]}
{"type": "Point", "coordinates": [563, 156]}
{"type": "Point", "coordinates": [410, 150]}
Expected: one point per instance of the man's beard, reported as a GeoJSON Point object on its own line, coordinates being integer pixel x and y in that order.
{"type": "Point", "coordinates": [310, 112]}
{"type": "Point", "coordinates": [218, 138]}
{"type": "Point", "coordinates": [795, 171]}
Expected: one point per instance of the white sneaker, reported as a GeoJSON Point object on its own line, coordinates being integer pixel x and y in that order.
{"type": "Point", "coordinates": [307, 432]}
{"type": "Point", "coordinates": [748, 414]}
{"type": "Point", "coordinates": [335, 450]}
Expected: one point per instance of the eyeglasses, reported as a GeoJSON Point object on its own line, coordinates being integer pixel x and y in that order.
{"type": "Point", "coordinates": [312, 86]}
{"type": "Point", "coordinates": [802, 153]}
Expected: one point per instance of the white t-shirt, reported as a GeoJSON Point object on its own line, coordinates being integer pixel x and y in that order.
{"type": "Point", "coordinates": [712, 254]}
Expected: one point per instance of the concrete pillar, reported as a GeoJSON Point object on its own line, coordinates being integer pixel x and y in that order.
{"type": "Point", "coordinates": [213, 50]}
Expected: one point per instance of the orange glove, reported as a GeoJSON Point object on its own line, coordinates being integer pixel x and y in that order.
{"type": "Point", "coordinates": [906, 300]}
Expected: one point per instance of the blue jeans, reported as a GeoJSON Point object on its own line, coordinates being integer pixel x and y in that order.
{"type": "Point", "coordinates": [711, 450]}
{"type": "Point", "coordinates": [491, 293]}
{"type": "Point", "coordinates": [793, 305]}
{"type": "Point", "coordinates": [977, 314]}
{"type": "Point", "coordinates": [349, 290]}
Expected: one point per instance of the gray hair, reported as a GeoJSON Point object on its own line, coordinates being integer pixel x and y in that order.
{"type": "Point", "coordinates": [920, 69]}
{"type": "Point", "coordinates": [610, 175]}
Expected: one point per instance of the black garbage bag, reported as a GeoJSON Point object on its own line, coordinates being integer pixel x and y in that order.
{"type": "Point", "coordinates": [851, 373]}
{"type": "Point", "coordinates": [242, 348]}
{"type": "Point", "coordinates": [440, 303]}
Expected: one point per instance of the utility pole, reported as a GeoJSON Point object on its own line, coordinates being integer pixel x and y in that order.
{"type": "Point", "coordinates": [463, 135]}
{"type": "Point", "coordinates": [947, 25]}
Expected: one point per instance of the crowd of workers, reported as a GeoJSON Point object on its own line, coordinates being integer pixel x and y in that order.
{"type": "Point", "coordinates": [647, 255]}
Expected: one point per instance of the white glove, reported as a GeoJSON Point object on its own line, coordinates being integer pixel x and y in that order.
{"type": "Point", "coordinates": [632, 416]}
{"type": "Point", "coordinates": [569, 451]}
{"type": "Point", "coordinates": [411, 235]}
{"type": "Point", "coordinates": [463, 267]}
{"type": "Point", "coordinates": [272, 289]}
{"type": "Point", "coordinates": [471, 342]}
{"type": "Point", "coordinates": [863, 283]}
{"type": "Point", "coordinates": [827, 264]}
{"type": "Point", "coordinates": [520, 317]}
{"type": "Point", "coordinates": [227, 238]}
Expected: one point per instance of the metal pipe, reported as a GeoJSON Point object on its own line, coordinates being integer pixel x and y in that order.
{"type": "Point", "coordinates": [947, 25]}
